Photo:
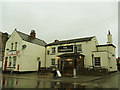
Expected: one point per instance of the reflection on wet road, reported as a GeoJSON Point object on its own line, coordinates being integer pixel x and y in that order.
{"type": "Point", "coordinates": [16, 82]}
{"type": "Point", "coordinates": [26, 83]}
{"type": "Point", "coordinates": [108, 82]}
{"type": "Point", "coordinates": [0, 77]}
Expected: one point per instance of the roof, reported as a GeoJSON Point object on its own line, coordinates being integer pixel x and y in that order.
{"type": "Point", "coordinates": [71, 41]}
{"type": "Point", "coordinates": [27, 38]}
{"type": "Point", "coordinates": [105, 45]}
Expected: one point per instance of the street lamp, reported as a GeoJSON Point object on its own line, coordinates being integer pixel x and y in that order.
{"type": "Point", "coordinates": [75, 62]}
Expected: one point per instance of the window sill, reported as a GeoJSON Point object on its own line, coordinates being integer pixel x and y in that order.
{"type": "Point", "coordinates": [97, 66]}
{"type": "Point", "coordinates": [12, 50]}
{"type": "Point", "coordinates": [52, 54]}
{"type": "Point", "coordinates": [79, 51]}
{"type": "Point", "coordinates": [11, 67]}
{"type": "Point", "coordinates": [52, 66]}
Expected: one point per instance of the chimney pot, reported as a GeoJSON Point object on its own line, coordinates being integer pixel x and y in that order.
{"type": "Point", "coordinates": [108, 32]}
{"type": "Point", "coordinates": [33, 34]}
{"type": "Point", "coordinates": [56, 40]}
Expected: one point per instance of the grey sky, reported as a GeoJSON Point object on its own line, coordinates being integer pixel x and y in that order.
{"type": "Point", "coordinates": [62, 20]}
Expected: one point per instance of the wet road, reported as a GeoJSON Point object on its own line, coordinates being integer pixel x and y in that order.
{"type": "Point", "coordinates": [0, 77]}
{"type": "Point", "coordinates": [16, 82]}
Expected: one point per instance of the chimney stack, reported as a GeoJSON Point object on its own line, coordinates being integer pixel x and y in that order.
{"type": "Point", "coordinates": [4, 37]}
{"type": "Point", "coordinates": [56, 40]}
{"type": "Point", "coordinates": [33, 34]}
{"type": "Point", "coordinates": [109, 36]}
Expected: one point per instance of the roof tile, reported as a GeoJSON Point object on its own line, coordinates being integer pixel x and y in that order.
{"type": "Point", "coordinates": [27, 38]}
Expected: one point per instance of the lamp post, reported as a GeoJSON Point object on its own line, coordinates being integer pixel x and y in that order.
{"type": "Point", "coordinates": [75, 62]}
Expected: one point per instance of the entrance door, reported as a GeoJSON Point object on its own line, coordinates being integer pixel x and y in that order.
{"type": "Point", "coordinates": [81, 62]}
{"type": "Point", "coordinates": [61, 66]}
{"type": "Point", "coordinates": [68, 67]}
{"type": "Point", "coordinates": [39, 64]}
{"type": "Point", "coordinates": [5, 65]}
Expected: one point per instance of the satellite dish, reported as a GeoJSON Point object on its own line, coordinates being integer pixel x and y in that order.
{"type": "Point", "coordinates": [24, 46]}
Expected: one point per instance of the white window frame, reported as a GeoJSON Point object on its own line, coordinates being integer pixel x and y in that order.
{"type": "Point", "coordinates": [80, 48]}
{"type": "Point", "coordinates": [52, 62]}
{"type": "Point", "coordinates": [53, 48]}
{"type": "Point", "coordinates": [16, 45]}
{"type": "Point", "coordinates": [11, 46]}
{"type": "Point", "coordinates": [97, 60]}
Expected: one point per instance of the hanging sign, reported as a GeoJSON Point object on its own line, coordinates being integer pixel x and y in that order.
{"type": "Point", "coordinates": [65, 48]}
{"type": "Point", "coordinates": [12, 53]}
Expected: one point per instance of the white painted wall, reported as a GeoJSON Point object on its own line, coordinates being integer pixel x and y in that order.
{"type": "Point", "coordinates": [110, 58]}
{"type": "Point", "coordinates": [14, 38]}
{"type": "Point", "coordinates": [87, 48]}
{"type": "Point", "coordinates": [103, 58]}
{"type": "Point", "coordinates": [27, 58]}
{"type": "Point", "coordinates": [113, 62]}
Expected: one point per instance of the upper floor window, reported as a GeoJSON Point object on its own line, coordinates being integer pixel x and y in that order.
{"type": "Point", "coordinates": [11, 46]}
{"type": "Point", "coordinates": [97, 61]}
{"type": "Point", "coordinates": [53, 50]}
{"type": "Point", "coordinates": [79, 48]}
{"type": "Point", "coordinates": [15, 45]}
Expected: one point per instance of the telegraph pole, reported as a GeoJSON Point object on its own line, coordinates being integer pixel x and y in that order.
{"type": "Point", "coordinates": [75, 62]}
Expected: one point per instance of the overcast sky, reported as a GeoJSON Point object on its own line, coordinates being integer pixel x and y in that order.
{"type": "Point", "coordinates": [62, 20]}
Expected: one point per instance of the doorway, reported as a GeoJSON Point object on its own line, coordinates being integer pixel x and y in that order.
{"type": "Point", "coordinates": [67, 66]}
{"type": "Point", "coordinates": [39, 65]}
{"type": "Point", "coordinates": [5, 65]}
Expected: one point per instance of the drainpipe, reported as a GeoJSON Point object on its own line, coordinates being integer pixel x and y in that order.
{"type": "Point", "coordinates": [45, 58]}
{"type": "Point", "coordinates": [93, 60]}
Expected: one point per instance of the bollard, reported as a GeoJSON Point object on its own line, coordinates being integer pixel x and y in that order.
{"type": "Point", "coordinates": [74, 73]}
{"type": "Point", "coordinates": [11, 71]}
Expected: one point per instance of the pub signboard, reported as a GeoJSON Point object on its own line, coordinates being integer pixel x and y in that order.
{"type": "Point", "coordinates": [65, 48]}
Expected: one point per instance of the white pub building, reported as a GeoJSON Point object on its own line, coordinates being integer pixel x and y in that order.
{"type": "Point", "coordinates": [24, 52]}
{"type": "Point", "coordinates": [27, 53]}
{"type": "Point", "coordinates": [90, 54]}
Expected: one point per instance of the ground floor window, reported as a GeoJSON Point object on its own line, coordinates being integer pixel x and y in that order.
{"type": "Point", "coordinates": [14, 61]}
{"type": "Point", "coordinates": [53, 62]}
{"type": "Point", "coordinates": [97, 61]}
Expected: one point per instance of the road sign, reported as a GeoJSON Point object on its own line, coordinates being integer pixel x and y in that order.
{"type": "Point", "coordinates": [59, 74]}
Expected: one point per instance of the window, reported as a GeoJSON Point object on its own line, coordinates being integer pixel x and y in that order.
{"type": "Point", "coordinates": [15, 45]}
{"type": "Point", "coordinates": [79, 48]}
{"type": "Point", "coordinates": [52, 61]}
{"type": "Point", "coordinates": [10, 61]}
{"type": "Point", "coordinates": [14, 61]}
{"type": "Point", "coordinates": [53, 50]}
{"type": "Point", "coordinates": [97, 61]}
{"type": "Point", "coordinates": [11, 46]}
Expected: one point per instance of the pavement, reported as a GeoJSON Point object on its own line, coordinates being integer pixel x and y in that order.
{"type": "Point", "coordinates": [49, 77]}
